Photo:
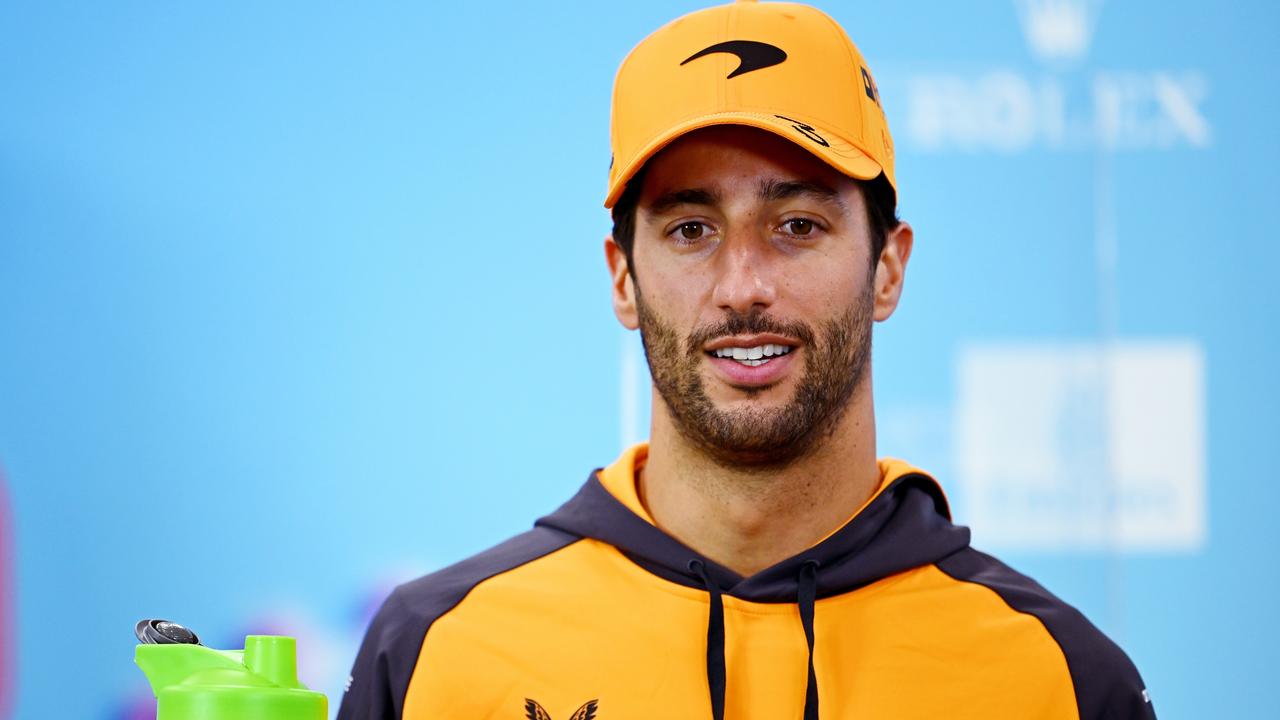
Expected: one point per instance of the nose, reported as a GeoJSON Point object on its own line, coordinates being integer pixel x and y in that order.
{"type": "Point", "coordinates": [743, 278]}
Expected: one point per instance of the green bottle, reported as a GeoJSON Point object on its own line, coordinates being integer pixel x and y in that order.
{"type": "Point", "coordinates": [193, 682]}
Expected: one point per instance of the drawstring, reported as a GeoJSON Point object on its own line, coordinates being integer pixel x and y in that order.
{"type": "Point", "coordinates": [715, 641]}
{"type": "Point", "coordinates": [806, 595]}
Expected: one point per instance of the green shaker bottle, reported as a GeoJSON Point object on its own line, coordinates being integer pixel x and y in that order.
{"type": "Point", "coordinates": [193, 682]}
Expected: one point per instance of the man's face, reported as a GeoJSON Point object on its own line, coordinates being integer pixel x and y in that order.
{"type": "Point", "coordinates": [753, 290]}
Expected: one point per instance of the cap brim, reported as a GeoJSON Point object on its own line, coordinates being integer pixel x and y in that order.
{"type": "Point", "coordinates": [824, 144]}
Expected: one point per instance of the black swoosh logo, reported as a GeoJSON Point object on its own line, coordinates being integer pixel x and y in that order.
{"type": "Point", "coordinates": [752, 55]}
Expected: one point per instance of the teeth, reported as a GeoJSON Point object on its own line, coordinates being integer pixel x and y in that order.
{"type": "Point", "coordinates": [753, 356]}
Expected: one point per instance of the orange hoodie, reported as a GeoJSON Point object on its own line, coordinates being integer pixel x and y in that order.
{"type": "Point", "coordinates": [597, 614]}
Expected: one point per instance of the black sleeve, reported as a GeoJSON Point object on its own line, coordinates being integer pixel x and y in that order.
{"type": "Point", "coordinates": [1108, 686]}
{"type": "Point", "coordinates": [380, 677]}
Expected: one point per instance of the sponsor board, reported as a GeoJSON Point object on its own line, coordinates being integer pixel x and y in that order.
{"type": "Point", "coordinates": [1083, 446]}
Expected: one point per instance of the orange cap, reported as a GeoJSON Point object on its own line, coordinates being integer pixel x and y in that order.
{"type": "Point", "coordinates": [782, 67]}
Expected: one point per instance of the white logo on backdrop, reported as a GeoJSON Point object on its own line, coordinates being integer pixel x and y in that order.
{"type": "Point", "coordinates": [1007, 110]}
{"type": "Point", "coordinates": [1058, 30]}
{"type": "Point", "coordinates": [1083, 446]}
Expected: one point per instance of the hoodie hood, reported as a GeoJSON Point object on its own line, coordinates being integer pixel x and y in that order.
{"type": "Point", "coordinates": [905, 524]}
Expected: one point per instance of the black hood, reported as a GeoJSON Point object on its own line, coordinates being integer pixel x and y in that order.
{"type": "Point", "coordinates": [907, 525]}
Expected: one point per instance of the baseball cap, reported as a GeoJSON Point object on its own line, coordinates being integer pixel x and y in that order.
{"type": "Point", "coordinates": [782, 67]}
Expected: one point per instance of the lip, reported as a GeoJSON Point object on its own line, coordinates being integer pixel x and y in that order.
{"type": "Point", "coordinates": [743, 376]}
{"type": "Point", "coordinates": [752, 341]}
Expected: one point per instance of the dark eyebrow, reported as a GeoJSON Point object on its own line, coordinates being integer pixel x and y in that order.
{"type": "Point", "coordinates": [773, 190]}
{"type": "Point", "coordinates": [687, 196]}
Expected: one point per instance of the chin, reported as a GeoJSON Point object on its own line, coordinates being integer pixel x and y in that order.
{"type": "Point", "coordinates": [773, 395]}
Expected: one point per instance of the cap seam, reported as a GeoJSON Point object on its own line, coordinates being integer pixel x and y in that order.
{"type": "Point", "coordinates": [848, 48]}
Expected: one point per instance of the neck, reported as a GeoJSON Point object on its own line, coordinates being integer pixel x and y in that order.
{"type": "Point", "coordinates": [747, 519]}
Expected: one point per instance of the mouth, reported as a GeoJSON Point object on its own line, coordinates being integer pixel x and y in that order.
{"type": "Point", "coordinates": [751, 361]}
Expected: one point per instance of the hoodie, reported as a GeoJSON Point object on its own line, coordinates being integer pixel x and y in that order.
{"type": "Point", "coordinates": [597, 614]}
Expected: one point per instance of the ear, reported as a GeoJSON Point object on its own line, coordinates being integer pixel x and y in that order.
{"type": "Point", "coordinates": [891, 270]}
{"type": "Point", "coordinates": [624, 289]}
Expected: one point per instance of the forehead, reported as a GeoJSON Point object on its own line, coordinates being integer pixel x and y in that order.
{"type": "Point", "coordinates": [728, 159]}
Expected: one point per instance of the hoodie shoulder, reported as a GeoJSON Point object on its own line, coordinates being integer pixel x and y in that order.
{"type": "Point", "coordinates": [385, 663]}
{"type": "Point", "coordinates": [1106, 683]}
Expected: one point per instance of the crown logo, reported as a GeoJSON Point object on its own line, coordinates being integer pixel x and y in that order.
{"type": "Point", "coordinates": [1058, 31]}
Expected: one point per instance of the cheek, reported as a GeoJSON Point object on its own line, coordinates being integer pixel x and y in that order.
{"type": "Point", "coordinates": [677, 293]}
{"type": "Point", "coordinates": [834, 281]}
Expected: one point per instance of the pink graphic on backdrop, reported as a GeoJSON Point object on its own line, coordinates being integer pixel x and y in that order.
{"type": "Point", "coordinates": [8, 593]}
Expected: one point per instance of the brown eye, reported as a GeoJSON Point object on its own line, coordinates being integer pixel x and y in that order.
{"type": "Point", "coordinates": [691, 230]}
{"type": "Point", "coordinates": [799, 226]}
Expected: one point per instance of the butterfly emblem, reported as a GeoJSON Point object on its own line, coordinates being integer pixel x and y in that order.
{"type": "Point", "coordinates": [534, 711]}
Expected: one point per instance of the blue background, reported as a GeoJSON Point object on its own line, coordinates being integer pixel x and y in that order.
{"type": "Point", "coordinates": [298, 301]}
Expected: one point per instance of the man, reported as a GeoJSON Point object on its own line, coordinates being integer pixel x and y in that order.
{"type": "Point", "coordinates": [755, 560]}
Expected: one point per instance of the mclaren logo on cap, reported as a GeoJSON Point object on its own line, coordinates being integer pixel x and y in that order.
{"type": "Point", "coordinates": [752, 55]}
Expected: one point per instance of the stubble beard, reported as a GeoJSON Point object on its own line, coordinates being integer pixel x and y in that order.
{"type": "Point", "coordinates": [760, 438]}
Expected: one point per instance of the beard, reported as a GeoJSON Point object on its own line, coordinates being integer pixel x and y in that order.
{"type": "Point", "coordinates": [835, 365]}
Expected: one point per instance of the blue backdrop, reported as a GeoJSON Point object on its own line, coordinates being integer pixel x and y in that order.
{"type": "Point", "coordinates": [300, 301]}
